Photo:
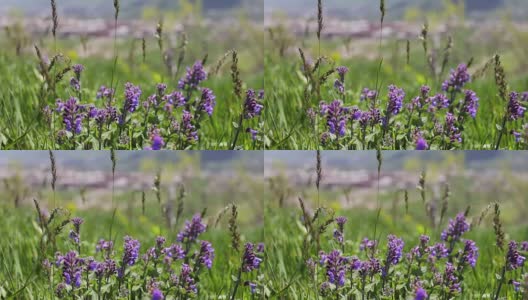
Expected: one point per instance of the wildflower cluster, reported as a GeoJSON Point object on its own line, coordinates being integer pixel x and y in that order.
{"type": "Point", "coordinates": [162, 271]}
{"type": "Point", "coordinates": [426, 121]}
{"type": "Point", "coordinates": [425, 270]}
{"type": "Point", "coordinates": [163, 119]}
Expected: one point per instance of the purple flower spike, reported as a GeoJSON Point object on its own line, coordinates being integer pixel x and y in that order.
{"type": "Point", "coordinates": [156, 140]}
{"type": "Point", "coordinates": [71, 114]}
{"type": "Point", "coordinates": [471, 103]}
{"type": "Point", "coordinates": [250, 260]}
{"type": "Point", "coordinates": [253, 132]}
{"type": "Point", "coordinates": [342, 72]}
{"type": "Point", "coordinates": [336, 116]}
{"type": "Point", "coordinates": [132, 94]}
{"type": "Point", "coordinates": [206, 254]}
{"type": "Point", "coordinates": [514, 259]}
{"type": "Point", "coordinates": [207, 102]}
{"type": "Point", "coordinates": [451, 130]}
{"type": "Point", "coordinates": [335, 265]}
{"type": "Point", "coordinates": [396, 96]}
{"type": "Point", "coordinates": [455, 228]}
{"type": "Point", "coordinates": [77, 69]}
{"type": "Point", "coordinates": [451, 280]}
{"type": "Point", "coordinates": [515, 109]}
{"type": "Point", "coordinates": [470, 253]}
{"type": "Point", "coordinates": [186, 279]}
{"type": "Point", "coordinates": [457, 79]}
{"type": "Point", "coordinates": [157, 294]}
{"type": "Point", "coordinates": [252, 106]}
{"type": "Point", "coordinates": [421, 143]}
{"type": "Point", "coordinates": [71, 268]}
{"type": "Point", "coordinates": [395, 249]}
{"type": "Point", "coordinates": [131, 251]}
{"type": "Point", "coordinates": [187, 127]}
{"type": "Point", "coordinates": [420, 294]}
{"type": "Point", "coordinates": [192, 230]}
{"type": "Point", "coordinates": [194, 76]}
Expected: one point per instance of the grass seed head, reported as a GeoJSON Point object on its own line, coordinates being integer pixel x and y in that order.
{"type": "Point", "coordinates": [497, 227]}
{"type": "Point", "coordinates": [320, 22]}
{"type": "Point", "coordinates": [233, 228]}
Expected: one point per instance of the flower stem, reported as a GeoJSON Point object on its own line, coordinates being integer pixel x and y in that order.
{"type": "Point", "coordinates": [500, 283]}
{"type": "Point", "coordinates": [239, 276]}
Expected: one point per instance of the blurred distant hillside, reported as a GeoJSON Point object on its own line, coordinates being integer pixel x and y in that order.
{"type": "Point", "coordinates": [396, 8]}
{"type": "Point", "coordinates": [128, 8]}
{"type": "Point", "coordinates": [133, 160]}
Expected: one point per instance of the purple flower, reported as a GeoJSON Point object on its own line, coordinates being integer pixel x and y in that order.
{"type": "Point", "coordinates": [177, 99]}
{"type": "Point", "coordinates": [132, 94]}
{"type": "Point", "coordinates": [77, 69]}
{"type": "Point", "coordinates": [455, 228]}
{"type": "Point", "coordinates": [250, 260]}
{"type": "Point", "coordinates": [515, 109]}
{"type": "Point", "coordinates": [156, 140]}
{"type": "Point", "coordinates": [524, 97]}
{"type": "Point", "coordinates": [514, 259]}
{"type": "Point", "coordinates": [105, 247]}
{"type": "Point", "coordinates": [516, 285]}
{"type": "Point", "coordinates": [75, 84]}
{"type": "Point", "coordinates": [396, 96]}
{"type": "Point", "coordinates": [394, 253]}
{"type": "Point", "coordinates": [71, 268]}
{"type": "Point", "coordinates": [524, 246]}
{"type": "Point", "coordinates": [252, 106]}
{"type": "Point", "coordinates": [105, 92]}
{"type": "Point", "coordinates": [192, 230]}
{"type": "Point", "coordinates": [253, 132]}
{"type": "Point", "coordinates": [451, 130]}
{"type": "Point", "coordinates": [335, 116]}
{"type": "Point", "coordinates": [421, 143]}
{"type": "Point", "coordinates": [339, 86]}
{"type": "Point", "coordinates": [450, 279]}
{"type": "Point", "coordinates": [335, 266]}
{"type": "Point", "coordinates": [471, 103]}
{"type": "Point", "coordinates": [131, 251]}
{"type": "Point", "coordinates": [368, 94]}
{"type": "Point", "coordinates": [470, 253]}
{"type": "Point", "coordinates": [157, 294]}
{"type": "Point", "coordinates": [438, 251]}
{"type": "Point", "coordinates": [207, 102]}
{"type": "Point", "coordinates": [341, 221]}
{"type": "Point", "coordinates": [457, 79]}
{"type": "Point", "coordinates": [342, 72]}
{"type": "Point", "coordinates": [517, 136]}
{"type": "Point", "coordinates": [420, 293]}
{"type": "Point", "coordinates": [175, 251]}
{"type": "Point", "coordinates": [439, 101]}
{"type": "Point", "coordinates": [367, 244]}
{"type": "Point", "coordinates": [194, 76]}
{"type": "Point", "coordinates": [187, 127]}
{"type": "Point", "coordinates": [206, 254]}
{"type": "Point", "coordinates": [77, 223]}
{"type": "Point", "coordinates": [161, 87]}
{"type": "Point", "coordinates": [260, 247]}
{"type": "Point", "coordinates": [338, 233]}
{"type": "Point", "coordinates": [186, 279]}
{"type": "Point", "coordinates": [72, 115]}
{"type": "Point", "coordinates": [252, 286]}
